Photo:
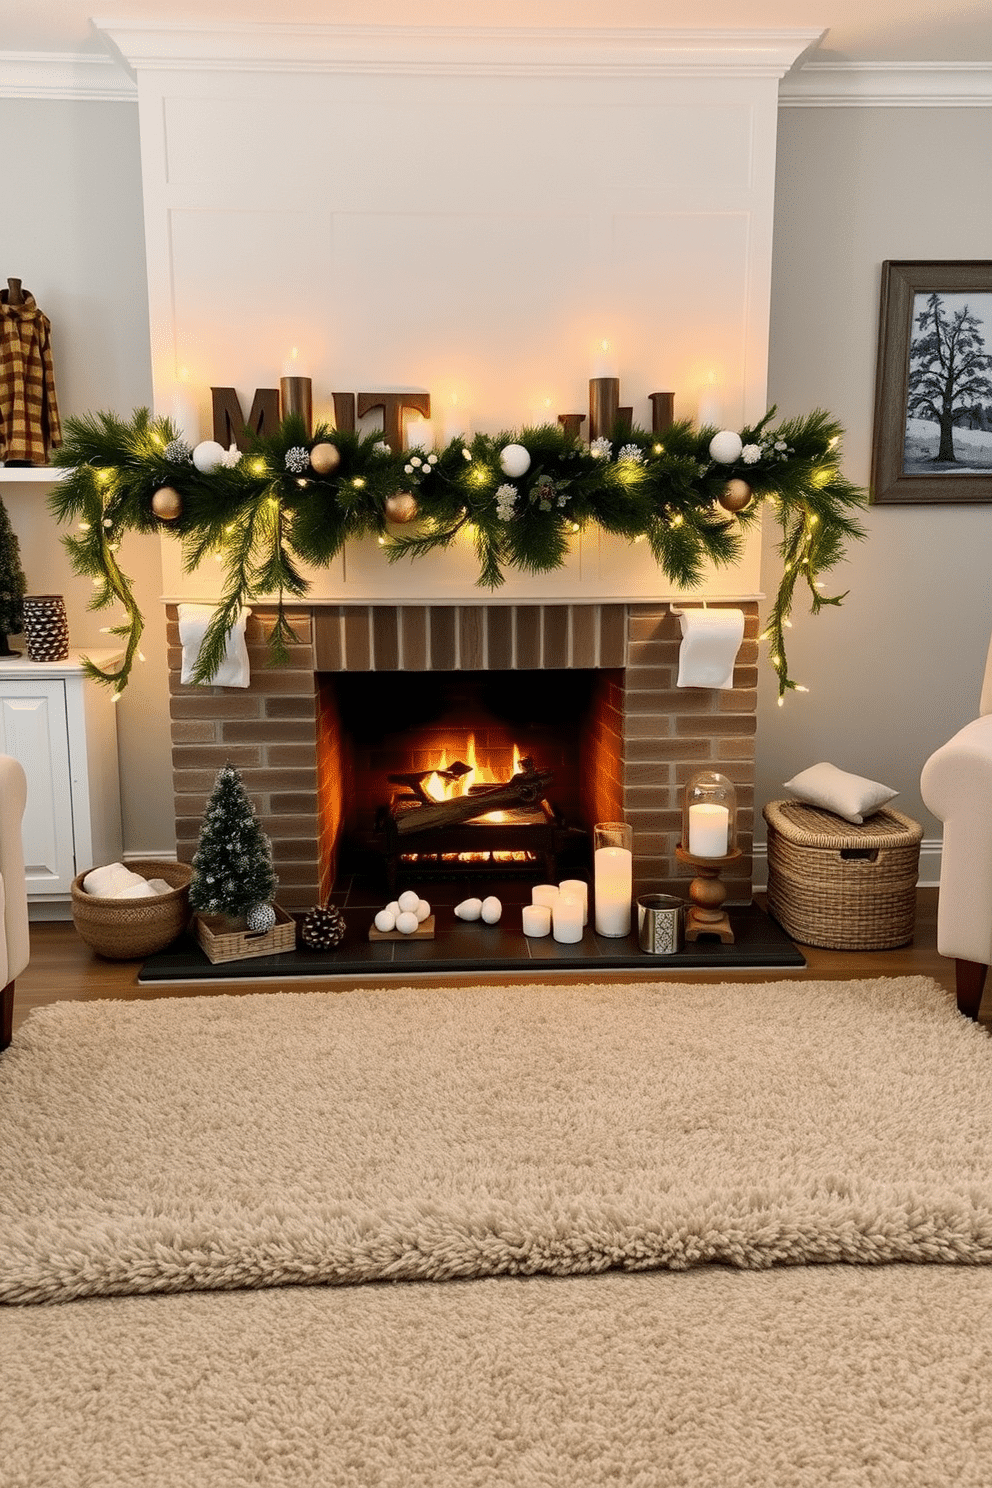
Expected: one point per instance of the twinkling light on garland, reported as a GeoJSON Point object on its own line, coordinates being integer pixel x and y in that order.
{"type": "Point", "coordinates": [263, 513]}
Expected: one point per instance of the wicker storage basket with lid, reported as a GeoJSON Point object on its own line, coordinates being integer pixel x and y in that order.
{"type": "Point", "coordinates": [841, 886]}
{"type": "Point", "coordinates": [122, 929]}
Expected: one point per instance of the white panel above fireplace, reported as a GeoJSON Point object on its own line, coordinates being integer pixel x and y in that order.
{"type": "Point", "coordinates": [467, 212]}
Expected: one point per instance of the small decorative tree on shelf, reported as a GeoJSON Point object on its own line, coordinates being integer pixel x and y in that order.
{"type": "Point", "coordinates": [233, 873]}
{"type": "Point", "coordinates": [13, 584]}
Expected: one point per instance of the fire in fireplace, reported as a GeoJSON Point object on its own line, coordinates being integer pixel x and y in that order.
{"type": "Point", "coordinates": [464, 773]}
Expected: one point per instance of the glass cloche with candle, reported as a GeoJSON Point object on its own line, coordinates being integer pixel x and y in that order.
{"type": "Point", "coordinates": [709, 817]}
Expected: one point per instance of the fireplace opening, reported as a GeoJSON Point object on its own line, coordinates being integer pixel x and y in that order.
{"type": "Point", "coordinates": [451, 775]}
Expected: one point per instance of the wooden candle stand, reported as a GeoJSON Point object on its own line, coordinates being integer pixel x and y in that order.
{"type": "Point", "coordinates": [707, 916]}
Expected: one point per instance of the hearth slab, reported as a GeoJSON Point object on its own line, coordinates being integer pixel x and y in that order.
{"type": "Point", "coordinates": [477, 947]}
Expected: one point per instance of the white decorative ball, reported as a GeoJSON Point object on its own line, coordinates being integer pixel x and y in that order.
{"type": "Point", "coordinates": [408, 900]}
{"type": "Point", "coordinates": [514, 460]}
{"type": "Point", "coordinates": [726, 447]}
{"type": "Point", "coordinates": [491, 909]}
{"type": "Point", "coordinates": [260, 919]}
{"type": "Point", "coordinates": [393, 905]}
{"type": "Point", "coordinates": [385, 921]}
{"type": "Point", "coordinates": [422, 911]}
{"type": "Point", "coordinates": [208, 455]}
{"type": "Point", "coordinates": [469, 909]}
{"type": "Point", "coordinates": [407, 922]}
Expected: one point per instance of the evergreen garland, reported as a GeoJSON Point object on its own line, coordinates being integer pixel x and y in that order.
{"type": "Point", "coordinates": [232, 865]}
{"type": "Point", "coordinates": [267, 511]}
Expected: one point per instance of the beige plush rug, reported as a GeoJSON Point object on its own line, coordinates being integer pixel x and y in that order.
{"type": "Point", "coordinates": [219, 1142]}
{"type": "Point", "coordinates": [405, 1134]}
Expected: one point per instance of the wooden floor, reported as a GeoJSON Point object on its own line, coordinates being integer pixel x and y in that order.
{"type": "Point", "coordinates": [63, 968]}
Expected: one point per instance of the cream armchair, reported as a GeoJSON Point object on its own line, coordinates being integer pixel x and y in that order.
{"type": "Point", "coordinates": [13, 891]}
{"type": "Point", "coordinates": [956, 785]}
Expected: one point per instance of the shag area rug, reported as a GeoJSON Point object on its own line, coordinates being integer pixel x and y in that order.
{"type": "Point", "coordinates": [419, 1134]}
{"type": "Point", "coordinates": [241, 1142]}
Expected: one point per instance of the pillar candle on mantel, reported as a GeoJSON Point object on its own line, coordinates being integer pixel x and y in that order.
{"type": "Point", "coordinates": [613, 862]}
{"type": "Point", "coordinates": [536, 920]}
{"type": "Point", "coordinates": [545, 894]}
{"type": "Point", "coordinates": [577, 888]}
{"type": "Point", "coordinates": [709, 830]}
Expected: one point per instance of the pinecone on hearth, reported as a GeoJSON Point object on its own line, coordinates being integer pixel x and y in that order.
{"type": "Point", "coordinates": [323, 928]}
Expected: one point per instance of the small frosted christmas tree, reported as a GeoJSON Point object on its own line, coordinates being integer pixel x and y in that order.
{"type": "Point", "coordinates": [233, 873]}
{"type": "Point", "coordinates": [12, 584]}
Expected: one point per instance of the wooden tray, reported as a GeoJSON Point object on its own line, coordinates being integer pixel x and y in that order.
{"type": "Point", "coordinates": [219, 943]}
{"type": "Point", "coordinates": [424, 931]}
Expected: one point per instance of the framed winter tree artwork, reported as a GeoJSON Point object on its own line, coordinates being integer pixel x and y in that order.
{"type": "Point", "coordinates": [933, 383]}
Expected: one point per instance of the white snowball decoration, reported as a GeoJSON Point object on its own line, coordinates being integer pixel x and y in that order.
{"type": "Point", "coordinates": [385, 921]}
{"type": "Point", "coordinates": [491, 909]}
{"type": "Point", "coordinates": [469, 909]}
{"type": "Point", "coordinates": [726, 447]}
{"type": "Point", "coordinates": [514, 460]}
{"type": "Point", "coordinates": [409, 900]}
{"type": "Point", "coordinates": [407, 922]}
{"type": "Point", "coordinates": [208, 455]}
{"type": "Point", "coordinates": [394, 906]}
{"type": "Point", "coordinates": [422, 911]}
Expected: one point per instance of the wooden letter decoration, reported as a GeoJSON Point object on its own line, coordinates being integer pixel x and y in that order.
{"type": "Point", "coordinates": [230, 424]}
{"type": "Point", "coordinates": [392, 405]}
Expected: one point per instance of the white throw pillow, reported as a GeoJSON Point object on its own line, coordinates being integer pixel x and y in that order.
{"type": "Point", "coordinates": [850, 796]}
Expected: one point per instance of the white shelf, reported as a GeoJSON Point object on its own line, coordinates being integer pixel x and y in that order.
{"type": "Point", "coordinates": [30, 473]}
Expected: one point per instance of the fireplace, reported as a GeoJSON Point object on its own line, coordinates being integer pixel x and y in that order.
{"type": "Point", "coordinates": [619, 738]}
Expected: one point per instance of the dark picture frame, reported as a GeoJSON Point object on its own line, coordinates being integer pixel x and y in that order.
{"type": "Point", "coordinates": [933, 383]}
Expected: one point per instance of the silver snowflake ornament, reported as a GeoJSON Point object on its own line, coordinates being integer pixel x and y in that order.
{"type": "Point", "coordinates": [297, 459]}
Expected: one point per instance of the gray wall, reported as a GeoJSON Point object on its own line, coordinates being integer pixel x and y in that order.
{"type": "Point", "coordinates": [891, 673]}
{"type": "Point", "coordinates": [898, 667]}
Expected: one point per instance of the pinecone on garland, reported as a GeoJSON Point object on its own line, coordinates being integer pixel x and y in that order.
{"type": "Point", "coordinates": [323, 928]}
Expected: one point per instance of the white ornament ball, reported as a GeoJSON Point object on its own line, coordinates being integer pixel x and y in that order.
{"type": "Point", "coordinates": [393, 905]}
{"type": "Point", "coordinates": [469, 909]}
{"type": "Point", "coordinates": [260, 919]}
{"type": "Point", "coordinates": [491, 909]}
{"type": "Point", "coordinates": [385, 921]}
{"type": "Point", "coordinates": [407, 922]}
{"type": "Point", "coordinates": [422, 911]}
{"type": "Point", "coordinates": [726, 447]}
{"type": "Point", "coordinates": [208, 455]}
{"type": "Point", "coordinates": [514, 460]}
{"type": "Point", "coordinates": [324, 458]}
{"type": "Point", "coordinates": [409, 899]}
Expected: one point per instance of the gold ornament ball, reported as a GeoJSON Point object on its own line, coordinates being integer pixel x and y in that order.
{"type": "Point", "coordinates": [735, 495]}
{"type": "Point", "coordinates": [167, 504]}
{"type": "Point", "coordinates": [401, 508]}
{"type": "Point", "coordinates": [324, 458]}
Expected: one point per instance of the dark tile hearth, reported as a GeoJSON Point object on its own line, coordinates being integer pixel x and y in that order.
{"type": "Point", "coordinates": [476, 947]}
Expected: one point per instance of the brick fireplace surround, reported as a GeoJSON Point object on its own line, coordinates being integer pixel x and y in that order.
{"type": "Point", "coordinates": [648, 737]}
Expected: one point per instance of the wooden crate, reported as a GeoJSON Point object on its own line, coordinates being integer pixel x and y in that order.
{"type": "Point", "coordinates": [220, 943]}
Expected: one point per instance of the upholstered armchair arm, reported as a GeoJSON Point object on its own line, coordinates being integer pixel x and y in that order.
{"type": "Point", "coordinates": [13, 889]}
{"type": "Point", "coordinates": [956, 785]}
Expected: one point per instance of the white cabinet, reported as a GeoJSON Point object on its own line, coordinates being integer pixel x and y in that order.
{"type": "Point", "coordinates": [63, 729]}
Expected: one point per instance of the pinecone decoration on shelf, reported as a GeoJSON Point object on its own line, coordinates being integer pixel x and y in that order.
{"type": "Point", "coordinates": [323, 928]}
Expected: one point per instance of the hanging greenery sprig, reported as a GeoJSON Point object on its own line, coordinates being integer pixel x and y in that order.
{"type": "Point", "coordinates": [296, 498]}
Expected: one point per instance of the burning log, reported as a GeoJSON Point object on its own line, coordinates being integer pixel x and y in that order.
{"type": "Point", "coordinates": [525, 787]}
{"type": "Point", "coordinates": [415, 780]}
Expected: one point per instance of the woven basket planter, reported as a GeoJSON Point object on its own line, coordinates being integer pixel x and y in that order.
{"type": "Point", "coordinates": [123, 929]}
{"type": "Point", "coordinates": [840, 886]}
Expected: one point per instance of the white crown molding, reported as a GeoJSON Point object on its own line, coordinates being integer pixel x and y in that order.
{"type": "Point", "coordinates": [64, 75]}
{"type": "Point", "coordinates": [478, 51]}
{"type": "Point", "coordinates": [888, 85]}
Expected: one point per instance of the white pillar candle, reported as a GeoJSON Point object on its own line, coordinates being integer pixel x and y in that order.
{"type": "Point", "coordinates": [566, 919]}
{"type": "Point", "coordinates": [577, 888]}
{"type": "Point", "coordinates": [536, 919]}
{"type": "Point", "coordinates": [709, 830]}
{"type": "Point", "coordinates": [613, 889]}
{"type": "Point", "coordinates": [420, 435]}
{"type": "Point", "coordinates": [544, 894]}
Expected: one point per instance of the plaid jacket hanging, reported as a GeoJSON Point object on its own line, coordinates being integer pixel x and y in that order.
{"type": "Point", "coordinates": [29, 415]}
